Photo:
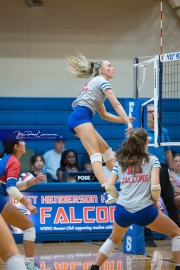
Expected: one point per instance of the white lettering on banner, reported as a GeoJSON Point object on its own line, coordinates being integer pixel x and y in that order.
{"type": "Point", "coordinates": [84, 177]}
{"type": "Point", "coordinates": [131, 107]}
{"type": "Point", "coordinates": [170, 57]}
{"type": "Point", "coordinates": [128, 243]}
{"type": "Point", "coordinates": [31, 199]}
{"type": "Point", "coordinates": [56, 199]}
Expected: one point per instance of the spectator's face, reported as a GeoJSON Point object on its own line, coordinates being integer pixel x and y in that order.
{"type": "Point", "coordinates": [150, 113]}
{"type": "Point", "coordinates": [38, 164]}
{"type": "Point", "coordinates": [59, 146]}
{"type": "Point", "coordinates": [176, 163]}
{"type": "Point", "coordinates": [70, 159]}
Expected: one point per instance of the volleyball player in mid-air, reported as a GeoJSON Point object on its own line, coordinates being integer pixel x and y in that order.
{"type": "Point", "coordinates": [91, 100]}
{"type": "Point", "coordinates": [138, 173]}
{"type": "Point", "coordinates": [9, 172]}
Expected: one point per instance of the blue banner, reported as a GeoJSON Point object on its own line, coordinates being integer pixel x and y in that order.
{"type": "Point", "coordinates": [133, 109]}
{"type": "Point", "coordinates": [72, 211]}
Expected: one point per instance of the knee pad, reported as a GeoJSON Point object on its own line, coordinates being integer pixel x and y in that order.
{"type": "Point", "coordinates": [175, 243]}
{"type": "Point", "coordinates": [108, 155]}
{"type": "Point", "coordinates": [97, 157]}
{"type": "Point", "coordinates": [15, 262]}
{"type": "Point", "coordinates": [29, 234]}
{"type": "Point", "coordinates": [108, 247]}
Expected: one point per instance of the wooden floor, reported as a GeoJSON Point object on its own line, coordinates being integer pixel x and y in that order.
{"type": "Point", "coordinates": [80, 255]}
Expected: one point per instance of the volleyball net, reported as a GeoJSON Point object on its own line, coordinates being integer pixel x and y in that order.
{"type": "Point", "coordinates": [165, 84]}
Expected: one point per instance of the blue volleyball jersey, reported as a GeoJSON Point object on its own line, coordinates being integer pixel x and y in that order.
{"type": "Point", "coordinates": [9, 172]}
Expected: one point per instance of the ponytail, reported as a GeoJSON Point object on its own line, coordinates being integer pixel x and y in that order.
{"type": "Point", "coordinates": [133, 151]}
{"type": "Point", "coordinates": [79, 66]}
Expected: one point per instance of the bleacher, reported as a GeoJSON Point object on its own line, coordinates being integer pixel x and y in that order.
{"type": "Point", "coordinates": [51, 114]}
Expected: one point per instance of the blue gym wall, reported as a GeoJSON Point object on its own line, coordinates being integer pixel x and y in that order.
{"type": "Point", "coordinates": [52, 114]}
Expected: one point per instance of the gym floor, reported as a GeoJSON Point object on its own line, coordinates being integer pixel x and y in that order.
{"type": "Point", "coordinates": [80, 255]}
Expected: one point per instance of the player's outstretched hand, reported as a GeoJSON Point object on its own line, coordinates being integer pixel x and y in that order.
{"type": "Point", "coordinates": [32, 209]}
{"type": "Point", "coordinates": [131, 119]}
{"type": "Point", "coordinates": [40, 178]}
{"type": "Point", "coordinates": [128, 130]}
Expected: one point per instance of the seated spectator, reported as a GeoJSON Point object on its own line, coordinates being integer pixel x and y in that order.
{"type": "Point", "coordinates": [69, 163]}
{"type": "Point", "coordinates": [176, 166]}
{"type": "Point", "coordinates": [37, 162]}
{"type": "Point", "coordinates": [86, 163]}
{"type": "Point", "coordinates": [53, 157]}
{"type": "Point", "coordinates": [25, 160]}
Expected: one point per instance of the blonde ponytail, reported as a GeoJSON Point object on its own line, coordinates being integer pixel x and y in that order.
{"type": "Point", "coordinates": [80, 67]}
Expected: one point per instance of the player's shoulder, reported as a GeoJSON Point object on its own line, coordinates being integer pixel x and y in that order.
{"type": "Point", "coordinates": [151, 156]}
{"type": "Point", "coordinates": [153, 159]}
{"type": "Point", "coordinates": [98, 80]}
{"type": "Point", "coordinates": [12, 160]}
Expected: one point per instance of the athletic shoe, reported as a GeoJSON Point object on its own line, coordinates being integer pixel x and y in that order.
{"type": "Point", "coordinates": [95, 267]}
{"type": "Point", "coordinates": [108, 198]}
{"type": "Point", "coordinates": [150, 243]}
{"type": "Point", "coordinates": [32, 266]}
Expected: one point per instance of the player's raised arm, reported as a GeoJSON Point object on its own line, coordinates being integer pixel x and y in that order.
{"type": "Point", "coordinates": [119, 109]}
{"type": "Point", "coordinates": [111, 117]}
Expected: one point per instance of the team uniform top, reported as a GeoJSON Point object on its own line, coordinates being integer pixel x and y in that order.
{"type": "Point", "coordinates": [135, 189]}
{"type": "Point", "coordinates": [9, 172]}
{"type": "Point", "coordinates": [92, 95]}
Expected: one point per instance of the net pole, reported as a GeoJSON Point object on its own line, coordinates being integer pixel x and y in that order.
{"type": "Point", "coordinates": [161, 26]}
{"type": "Point", "coordinates": [135, 86]}
{"type": "Point", "coordinates": [156, 103]}
{"type": "Point", "coordinates": [160, 97]}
